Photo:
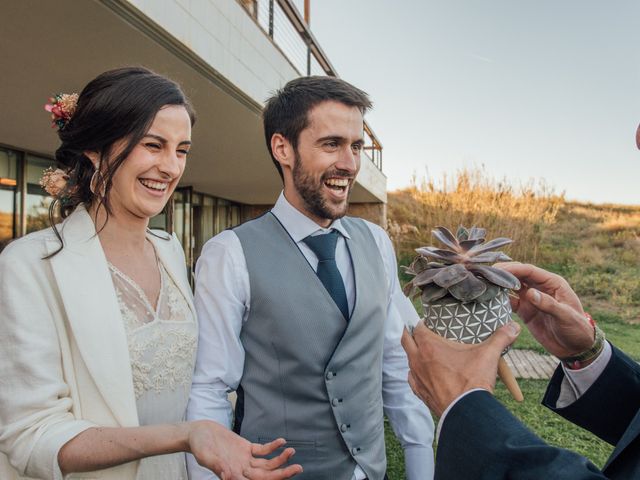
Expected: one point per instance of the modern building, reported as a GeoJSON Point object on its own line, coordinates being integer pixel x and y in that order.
{"type": "Point", "coordinates": [229, 55]}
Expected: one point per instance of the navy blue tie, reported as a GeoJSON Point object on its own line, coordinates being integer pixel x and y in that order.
{"type": "Point", "coordinates": [324, 246]}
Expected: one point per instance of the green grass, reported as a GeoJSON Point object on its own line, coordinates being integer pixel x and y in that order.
{"type": "Point", "coordinates": [525, 340]}
{"type": "Point", "coordinates": [552, 428]}
{"type": "Point", "coordinates": [595, 247]}
{"type": "Point", "coordinates": [623, 335]}
{"type": "Point", "coordinates": [395, 456]}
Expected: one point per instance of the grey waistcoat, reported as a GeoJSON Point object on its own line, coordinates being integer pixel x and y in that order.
{"type": "Point", "coordinates": [308, 375]}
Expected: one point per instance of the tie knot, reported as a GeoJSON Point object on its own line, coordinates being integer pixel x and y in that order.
{"type": "Point", "coordinates": [324, 246]}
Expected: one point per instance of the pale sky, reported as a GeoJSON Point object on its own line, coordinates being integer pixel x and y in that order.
{"type": "Point", "coordinates": [529, 89]}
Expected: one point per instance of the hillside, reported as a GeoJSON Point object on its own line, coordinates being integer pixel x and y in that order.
{"type": "Point", "coordinates": [595, 247]}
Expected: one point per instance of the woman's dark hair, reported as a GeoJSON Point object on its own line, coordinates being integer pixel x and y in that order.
{"type": "Point", "coordinates": [117, 104]}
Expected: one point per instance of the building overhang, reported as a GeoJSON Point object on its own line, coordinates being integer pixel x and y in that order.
{"type": "Point", "coordinates": [51, 47]}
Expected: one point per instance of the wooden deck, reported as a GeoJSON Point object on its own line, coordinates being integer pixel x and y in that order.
{"type": "Point", "coordinates": [530, 364]}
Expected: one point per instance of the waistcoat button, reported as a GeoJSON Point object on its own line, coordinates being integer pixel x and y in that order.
{"type": "Point", "coordinates": [335, 402]}
{"type": "Point", "coordinates": [330, 375]}
{"type": "Point", "coordinates": [343, 427]}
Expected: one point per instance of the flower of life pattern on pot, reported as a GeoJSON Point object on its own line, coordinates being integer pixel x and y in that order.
{"type": "Point", "coordinates": [470, 322]}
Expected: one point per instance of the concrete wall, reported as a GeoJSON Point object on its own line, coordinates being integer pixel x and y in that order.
{"type": "Point", "coordinates": [227, 38]}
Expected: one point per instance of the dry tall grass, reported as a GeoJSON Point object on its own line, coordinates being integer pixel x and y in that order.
{"type": "Point", "coordinates": [597, 249]}
{"type": "Point", "coordinates": [472, 197]}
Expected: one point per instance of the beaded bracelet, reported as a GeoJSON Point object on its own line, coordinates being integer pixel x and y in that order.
{"type": "Point", "coordinates": [578, 361]}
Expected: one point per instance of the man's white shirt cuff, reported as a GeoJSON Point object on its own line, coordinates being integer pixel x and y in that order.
{"type": "Point", "coordinates": [418, 463]}
{"type": "Point", "coordinates": [576, 382]}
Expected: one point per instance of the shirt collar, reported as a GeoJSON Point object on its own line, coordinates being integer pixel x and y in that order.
{"type": "Point", "coordinates": [298, 224]}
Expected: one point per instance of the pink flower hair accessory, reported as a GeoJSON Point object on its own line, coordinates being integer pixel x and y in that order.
{"type": "Point", "coordinates": [54, 181]}
{"type": "Point", "coordinates": [62, 106]}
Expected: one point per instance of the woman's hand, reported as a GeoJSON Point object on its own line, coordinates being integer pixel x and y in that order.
{"type": "Point", "coordinates": [215, 447]}
{"type": "Point", "coordinates": [232, 457]}
{"type": "Point", "coordinates": [551, 310]}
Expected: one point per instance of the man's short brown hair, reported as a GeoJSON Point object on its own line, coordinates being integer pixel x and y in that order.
{"type": "Point", "coordinates": [287, 112]}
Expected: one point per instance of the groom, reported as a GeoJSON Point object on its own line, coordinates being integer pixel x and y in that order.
{"type": "Point", "coordinates": [300, 309]}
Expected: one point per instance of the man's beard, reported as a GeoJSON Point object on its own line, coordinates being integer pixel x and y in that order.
{"type": "Point", "coordinates": [311, 192]}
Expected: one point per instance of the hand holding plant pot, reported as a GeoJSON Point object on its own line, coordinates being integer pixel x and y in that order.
{"type": "Point", "coordinates": [465, 299]}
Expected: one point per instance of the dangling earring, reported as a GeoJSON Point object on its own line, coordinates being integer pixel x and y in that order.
{"type": "Point", "coordinates": [93, 182]}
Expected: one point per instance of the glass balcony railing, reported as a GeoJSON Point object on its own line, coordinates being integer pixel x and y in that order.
{"type": "Point", "coordinates": [282, 22]}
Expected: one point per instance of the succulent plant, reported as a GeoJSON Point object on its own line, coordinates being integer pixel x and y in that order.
{"type": "Point", "coordinates": [461, 269]}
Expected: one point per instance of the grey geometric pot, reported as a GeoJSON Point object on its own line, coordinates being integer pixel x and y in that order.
{"type": "Point", "coordinates": [470, 322]}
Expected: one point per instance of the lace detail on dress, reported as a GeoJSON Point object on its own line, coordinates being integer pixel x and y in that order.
{"type": "Point", "coordinates": [135, 307]}
{"type": "Point", "coordinates": [162, 346]}
{"type": "Point", "coordinates": [162, 342]}
{"type": "Point", "coordinates": [130, 319]}
{"type": "Point", "coordinates": [162, 361]}
{"type": "Point", "coordinates": [178, 306]}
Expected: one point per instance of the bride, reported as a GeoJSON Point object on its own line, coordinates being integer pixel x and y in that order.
{"type": "Point", "coordinates": [97, 327]}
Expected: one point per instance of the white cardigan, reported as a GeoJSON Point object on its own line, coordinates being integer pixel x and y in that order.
{"type": "Point", "coordinates": [64, 360]}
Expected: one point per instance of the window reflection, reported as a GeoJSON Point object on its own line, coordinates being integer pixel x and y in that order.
{"type": "Point", "coordinates": [204, 208]}
{"type": "Point", "coordinates": [24, 206]}
{"type": "Point", "coordinates": [8, 196]}
{"type": "Point", "coordinates": [196, 218]}
{"type": "Point", "coordinates": [37, 201]}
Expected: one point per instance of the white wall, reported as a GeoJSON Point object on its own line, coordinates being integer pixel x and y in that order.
{"type": "Point", "coordinates": [226, 37]}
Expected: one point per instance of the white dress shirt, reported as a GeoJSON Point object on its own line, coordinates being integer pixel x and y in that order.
{"type": "Point", "coordinates": [223, 299]}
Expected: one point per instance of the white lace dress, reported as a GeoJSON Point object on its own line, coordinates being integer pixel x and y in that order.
{"type": "Point", "coordinates": [162, 348]}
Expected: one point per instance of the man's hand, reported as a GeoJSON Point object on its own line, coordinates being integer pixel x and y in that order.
{"type": "Point", "coordinates": [441, 370]}
{"type": "Point", "coordinates": [551, 310]}
{"type": "Point", "coordinates": [232, 457]}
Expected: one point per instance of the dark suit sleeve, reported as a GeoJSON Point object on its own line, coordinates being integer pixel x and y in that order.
{"type": "Point", "coordinates": [608, 407]}
{"type": "Point", "coordinates": [481, 439]}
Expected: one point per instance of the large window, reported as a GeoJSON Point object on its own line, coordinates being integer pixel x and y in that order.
{"type": "Point", "coordinates": [204, 221]}
{"type": "Point", "coordinates": [9, 200]}
{"type": "Point", "coordinates": [37, 201]}
{"type": "Point", "coordinates": [182, 221]}
{"type": "Point", "coordinates": [24, 205]}
{"type": "Point", "coordinates": [195, 218]}
{"type": "Point", "coordinates": [211, 216]}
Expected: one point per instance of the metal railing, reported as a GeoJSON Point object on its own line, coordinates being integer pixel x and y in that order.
{"type": "Point", "coordinates": [282, 22]}
{"type": "Point", "coordinates": [372, 147]}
